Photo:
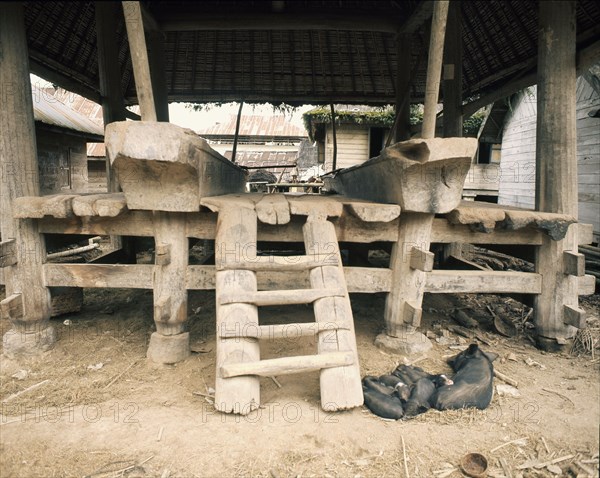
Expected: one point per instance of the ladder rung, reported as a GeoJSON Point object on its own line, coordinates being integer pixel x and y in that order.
{"type": "Point", "coordinates": [281, 331]}
{"type": "Point", "coordinates": [280, 297]}
{"type": "Point", "coordinates": [288, 365]}
{"type": "Point", "coordinates": [282, 263]}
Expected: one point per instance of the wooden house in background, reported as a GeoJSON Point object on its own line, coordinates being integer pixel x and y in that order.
{"type": "Point", "coordinates": [362, 132]}
{"type": "Point", "coordinates": [264, 143]}
{"type": "Point", "coordinates": [517, 178]}
{"type": "Point", "coordinates": [62, 135]}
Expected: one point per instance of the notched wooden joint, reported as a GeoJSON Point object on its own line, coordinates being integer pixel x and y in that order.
{"type": "Point", "coordinates": [163, 254]}
{"type": "Point", "coordinates": [8, 253]}
{"type": "Point", "coordinates": [12, 306]}
{"type": "Point", "coordinates": [574, 316]}
{"type": "Point", "coordinates": [573, 263]}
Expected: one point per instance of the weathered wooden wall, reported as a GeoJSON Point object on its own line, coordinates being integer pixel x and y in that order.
{"type": "Point", "coordinates": [517, 179]}
{"type": "Point", "coordinates": [352, 146]}
{"type": "Point", "coordinates": [588, 154]}
{"type": "Point", "coordinates": [62, 160]}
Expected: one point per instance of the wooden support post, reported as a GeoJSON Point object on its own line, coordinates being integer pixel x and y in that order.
{"type": "Point", "coordinates": [333, 132]}
{"type": "Point", "coordinates": [434, 67]}
{"type": "Point", "coordinates": [235, 242]}
{"type": "Point", "coordinates": [556, 165]}
{"type": "Point", "coordinates": [113, 105]}
{"type": "Point", "coordinates": [170, 344]}
{"type": "Point", "coordinates": [158, 74]}
{"type": "Point", "coordinates": [237, 131]}
{"type": "Point", "coordinates": [139, 59]}
{"type": "Point", "coordinates": [340, 386]}
{"type": "Point", "coordinates": [19, 177]}
{"type": "Point", "coordinates": [403, 303]}
{"type": "Point", "coordinates": [452, 75]}
{"type": "Point", "coordinates": [403, 82]}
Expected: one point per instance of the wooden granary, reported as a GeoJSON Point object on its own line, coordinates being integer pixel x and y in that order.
{"type": "Point", "coordinates": [166, 183]}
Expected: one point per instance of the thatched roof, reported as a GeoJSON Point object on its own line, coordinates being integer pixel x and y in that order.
{"type": "Point", "coordinates": [298, 52]}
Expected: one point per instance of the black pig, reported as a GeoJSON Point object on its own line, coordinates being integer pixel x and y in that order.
{"type": "Point", "coordinates": [473, 382]}
{"type": "Point", "coordinates": [384, 406]}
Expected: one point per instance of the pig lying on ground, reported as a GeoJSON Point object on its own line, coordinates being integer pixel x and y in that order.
{"type": "Point", "coordinates": [410, 391]}
{"type": "Point", "coordinates": [473, 381]}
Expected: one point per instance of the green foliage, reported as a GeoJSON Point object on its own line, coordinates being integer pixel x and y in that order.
{"type": "Point", "coordinates": [383, 116]}
{"type": "Point", "coordinates": [280, 108]}
{"type": "Point", "coordinates": [472, 124]}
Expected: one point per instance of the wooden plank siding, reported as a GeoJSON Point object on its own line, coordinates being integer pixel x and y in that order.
{"type": "Point", "coordinates": [517, 175]}
{"type": "Point", "coordinates": [517, 178]}
{"type": "Point", "coordinates": [352, 146]}
{"type": "Point", "coordinates": [588, 155]}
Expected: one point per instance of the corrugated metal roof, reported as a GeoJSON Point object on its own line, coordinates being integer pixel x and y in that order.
{"type": "Point", "coordinates": [256, 125]}
{"type": "Point", "coordinates": [263, 158]}
{"type": "Point", "coordinates": [49, 110]}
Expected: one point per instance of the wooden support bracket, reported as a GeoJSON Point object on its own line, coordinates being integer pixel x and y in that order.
{"type": "Point", "coordinates": [574, 316]}
{"type": "Point", "coordinates": [586, 285]}
{"type": "Point", "coordinates": [12, 307]}
{"type": "Point", "coordinates": [8, 253]}
{"type": "Point", "coordinates": [421, 260]}
{"type": "Point", "coordinates": [585, 234]}
{"type": "Point", "coordinates": [573, 263]}
{"type": "Point", "coordinates": [412, 314]}
{"type": "Point", "coordinates": [163, 254]}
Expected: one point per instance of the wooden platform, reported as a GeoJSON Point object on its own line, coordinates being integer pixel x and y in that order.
{"type": "Point", "coordinates": [281, 218]}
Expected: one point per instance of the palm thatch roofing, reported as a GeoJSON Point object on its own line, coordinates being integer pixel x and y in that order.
{"type": "Point", "coordinates": [297, 52]}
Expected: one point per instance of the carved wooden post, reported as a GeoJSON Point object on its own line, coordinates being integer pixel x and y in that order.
{"type": "Point", "coordinates": [452, 75]}
{"type": "Point", "coordinates": [556, 169]}
{"type": "Point", "coordinates": [403, 303]}
{"type": "Point", "coordinates": [27, 304]}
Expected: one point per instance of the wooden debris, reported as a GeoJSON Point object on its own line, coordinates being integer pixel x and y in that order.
{"type": "Point", "coordinates": [406, 474]}
{"type": "Point", "coordinates": [463, 319]}
{"type": "Point", "coordinates": [120, 374]}
{"type": "Point", "coordinates": [559, 394]}
{"type": "Point", "coordinates": [27, 390]}
{"type": "Point", "coordinates": [537, 464]}
{"type": "Point", "coordinates": [506, 379]}
{"type": "Point", "coordinates": [519, 441]}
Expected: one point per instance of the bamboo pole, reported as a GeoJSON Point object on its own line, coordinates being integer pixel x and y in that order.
{"type": "Point", "coordinates": [139, 59]}
{"type": "Point", "coordinates": [237, 131]}
{"type": "Point", "coordinates": [334, 165]}
{"type": "Point", "coordinates": [434, 66]}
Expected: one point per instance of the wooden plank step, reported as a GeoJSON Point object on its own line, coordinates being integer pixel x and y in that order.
{"type": "Point", "coordinates": [282, 331]}
{"type": "Point", "coordinates": [288, 365]}
{"type": "Point", "coordinates": [104, 205]}
{"type": "Point", "coordinates": [36, 207]}
{"type": "Point", "coordinates": [282, 263]}
{"type": "Point", "coordinates": [279, 297]}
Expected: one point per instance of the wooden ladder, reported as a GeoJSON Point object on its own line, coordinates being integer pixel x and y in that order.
{"type": "Point", "coordinates": [238, 298]}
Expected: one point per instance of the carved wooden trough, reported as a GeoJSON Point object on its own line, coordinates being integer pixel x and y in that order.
{"type": "Point", "coordinates": [421, 175]}
{"type": "Point", "coordinates": [164, 167]}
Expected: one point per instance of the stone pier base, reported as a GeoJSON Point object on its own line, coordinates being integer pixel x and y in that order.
{"type": "Point", "coordinates": [25, 344]}
{"type": "Point", "coordinates": [408, 343]}
{"type": "Point", "coordinates": [169, 349]}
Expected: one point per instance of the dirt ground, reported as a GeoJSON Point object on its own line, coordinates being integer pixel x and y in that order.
{"type": "Point", "coordinates": [104, 411]}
